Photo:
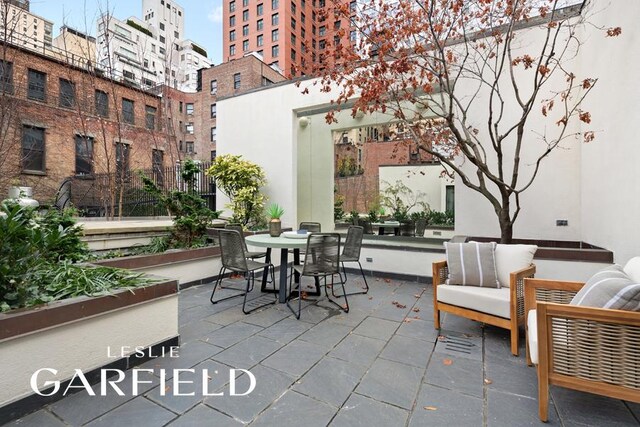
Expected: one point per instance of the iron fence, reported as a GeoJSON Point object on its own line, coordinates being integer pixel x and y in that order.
{"type": "Point", "coordinates": [123, 194]}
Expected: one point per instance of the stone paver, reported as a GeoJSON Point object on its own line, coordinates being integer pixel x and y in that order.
{"type": "Point", "coordinates": [381, 364]}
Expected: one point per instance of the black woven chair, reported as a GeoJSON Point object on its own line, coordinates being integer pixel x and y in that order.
{"type": "Point", "coordinates": [351, 253]}
{"type": "Point", "coordinates": [234, 259]}
{"type": "Point", "coordinates": [322, 261]}
{"type": "Point", "coordinates": [313, 227]}
{"type": "Point", "coordinates": [249, 254]}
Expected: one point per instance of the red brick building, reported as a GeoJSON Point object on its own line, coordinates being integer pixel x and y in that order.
{"type": "Point", "coordinates": [293, 35]}
{"type": "Point", "coordinates": [60, 121]}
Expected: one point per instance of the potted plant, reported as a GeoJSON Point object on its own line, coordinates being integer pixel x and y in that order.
{"type": "Point", "coordinates": [355, 216]}
{"type": "Point", "coordinates": [420, 219]}
{"type": "Point", "coordinates": [275, 212]}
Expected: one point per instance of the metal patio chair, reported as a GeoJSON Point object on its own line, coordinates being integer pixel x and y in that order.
{"type": "Point", "coordinates": [351, 253]}
{"type": "Point", "coordinates": [249, 254]}
{"type": "Point", "coordinates": [322, 261]}
{"type": "Point", "coordinates": [234, 259]}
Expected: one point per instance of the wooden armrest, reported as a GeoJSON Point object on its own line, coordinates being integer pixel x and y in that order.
{"type": "Point", "coordinates": [556, 290]}
{"type": "Point", "coordinates": [605, 315]}
{"type": "Point", "coordinates": [437, 268]}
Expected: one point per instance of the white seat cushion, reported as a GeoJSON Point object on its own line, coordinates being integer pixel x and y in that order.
{"type": "Point", "coordinates": [632, 269]}
{"type": "Point", "coordinates": [510, 258]}
{"type": "Point", "coordinates": [532, 335]}
{"type": "Point", "coordinates": [486, 300]}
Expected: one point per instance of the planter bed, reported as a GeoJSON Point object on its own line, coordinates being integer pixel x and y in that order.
{"type": "Point", "coordinates": [86, 333]}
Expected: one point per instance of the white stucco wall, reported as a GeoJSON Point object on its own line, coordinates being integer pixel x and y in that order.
{"type": "Point", "coordinates": [593, 186]}
{"type": "Point", "coordinates": [425, 179]}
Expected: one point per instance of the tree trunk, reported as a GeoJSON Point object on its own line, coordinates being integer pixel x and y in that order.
{"type": "Point", "coordinates": [506, 224]}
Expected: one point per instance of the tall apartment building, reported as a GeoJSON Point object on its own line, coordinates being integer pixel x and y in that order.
{"type": "Point", "coordinates": [151, 51]}
{"type": "Point", "coordinates": [291, 35]}
{"type": "Point", "coordinates": [21, 27]}
{"type": "Point", "coordinates": [75, 47]}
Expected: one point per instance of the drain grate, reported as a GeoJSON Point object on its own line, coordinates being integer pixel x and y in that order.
{"type": "Point", "coordinates": [469, 347]}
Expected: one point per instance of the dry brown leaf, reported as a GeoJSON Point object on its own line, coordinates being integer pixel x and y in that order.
{"type": "Point", "coordinates": [441, 338]}
{"type": "Point", "coordinates": [370, 297]}
{"type": "Point", "coordinates": [416, 296]}
{"type": "Point", "coordinates": [387, 280]}
{"type": "Point", "coordinates": [416, 310]}
{"type": "Point", "coordinates": [407, 320]}
{"type": "Point", "coordinates": [447, 362]}
{"type": "Point", "coordinates": [430, 408]}
{"type": "Point", "coordinates": [488, 381]}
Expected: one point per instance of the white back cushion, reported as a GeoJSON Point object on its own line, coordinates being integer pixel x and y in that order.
{"type": "Point", "coordinates": [632, 269]}
{"type": "Point", "coordinates": [510, 258]}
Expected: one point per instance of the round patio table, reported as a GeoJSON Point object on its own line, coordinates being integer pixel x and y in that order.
{"type": "Point", "coordinates": [284, 244]}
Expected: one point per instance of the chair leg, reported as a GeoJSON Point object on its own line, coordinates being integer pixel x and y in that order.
{"type": "Point", "coordinates": [251, 280]}
{"type": "Point", "coordinates": [344, 281]}
{"type": "Point", "coordinates": [299, 296]}
{"type": "Point", "coordinates": [543, 396]}
{"type": "Point", "coordinates": [514, 340]}
{"type": "Point", "coordinates": [436, 317]}
{"type": "Point", "coordinates": [219, 283]}
{"type": "Point", "coordinates": [344, 307]}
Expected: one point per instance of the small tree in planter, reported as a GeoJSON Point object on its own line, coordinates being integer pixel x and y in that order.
{"type": "Point", "coordinates": [241, 180]}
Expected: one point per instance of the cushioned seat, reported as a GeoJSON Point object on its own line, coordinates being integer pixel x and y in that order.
{"type": "Point", "coordinates": [532, 335]}
{"type": "Point", "coordinates": [495, 302]}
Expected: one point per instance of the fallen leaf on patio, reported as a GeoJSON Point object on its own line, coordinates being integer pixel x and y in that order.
{"type": "Point", "coordinates": [416, 310]}
{"type": "Point", "coordinates": [447, 362]}
{"type": "Point", "coordinates": [344, 306]}
{"type": "Point", "coordinates": [441, 338]}
{"type": "Point", "coordinates": [304, 295]}
{"type": "Point", "coordinates": [488, 381]}
{"type": "Point", "coordinates": [416, 317]}
{"type": "Point", "coordinates": [387, 280]}
{"type": "Point", "coordinates": [370, 297]}
{"type": "Point", "coordinates": [407, 320]}
{"type": "Point", "coordinates": [416, 296]}
{"type": "Point", "coordinates": [430, 408]}
{"type": "Point", "coordinates": [167, 388]}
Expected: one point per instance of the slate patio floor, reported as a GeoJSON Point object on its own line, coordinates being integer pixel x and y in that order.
{"type": "Point", "coordinates": [382, 364]}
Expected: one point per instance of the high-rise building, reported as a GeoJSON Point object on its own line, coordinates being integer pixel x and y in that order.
{"type": "Point", "coordinates": [290, 35]}
{"type": "Point", "coordinates": [151, 51]}
{"type": "Point", "coordinates": [22, 28]}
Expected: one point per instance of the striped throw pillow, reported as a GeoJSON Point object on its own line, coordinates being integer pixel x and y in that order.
{"type": "Point", "coordinates": [610, 288]}
{"type": "Point", "coordinates": [472, 264]}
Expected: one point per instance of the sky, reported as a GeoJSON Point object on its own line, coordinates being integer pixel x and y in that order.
{"type": "Point", "coordinates": [203, 18]}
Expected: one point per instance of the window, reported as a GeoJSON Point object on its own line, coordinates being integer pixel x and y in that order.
{"type": "Point", "coordinates": [274, 4]}
{"type": "Point", "coordinates": [213, 155]}
{"type": "Point", "coordinates": [260, 25]}
{"type": "Point", "coordinates": [162, 39]}
{"type": "Point", "coordinates": [232, 50]}
{"type": "Point", "coordinates": [214, 87]}
{"type": "Point", "coordinates": [214, 109]}
{"type": "Point", "coordinates": [232, 21]}
{"type": "Point", "coordinates": [293, 39]}
{"type": "Point", "coordinates": [274, 35]}
{"type": "Point", "coordinates": [275, 50]}
{"type": "Point", "coordinates": [232, 35]}
{"type": "Point", "coordinates": [67, 94]}
{"type": "Point", "coordinates": [6, 77]}
{"type": "Point", "coordinates": [323, 31]}
{"type": "Point", "coordinates": [128, 111]}
{"type": "Point", "coordinates": [259, 40]}
{"type": "Point", "coordinates": [245, 45]}
{"type": "Point", "coordinates": [302, 33]}
{"type": "Point", "coordinates": [189, 128]}
{"type": "Point", "coordinates": [293, 24]}
{"type": "Point", "coordinates": [213, 134]}
{"type": "Point", "coordinates": [245, 30]}
{"type": "Point", "coordinates": [122, 160]}
{"type": "Point", "coordinates": [259, 9]}
{"type": "Point", "coordinates": [157, 164]}
{"type": "Point", "coordinates": [293, 8]}
{"type": "Point", "coordinates": [189, 106]}
{"type": "Point", "coordinates": [37, 85]}
{"type": "Point", "coordinates": [102, 103]}
{"type": "Point", "coordinates": [33, 149]}
{"type": "Point", "coordinates": [450, 199]}
{"type": "Point", "coordinates": [303, 18]}
{"type": "Point", "coordinates": [236, 81]}
{"type": "Point", "coordinates": [336, 40]}
{"type": "Point", "coordinates": [352, 35]}
{"type": "Point", "coordinates": [322, 44]}
{"type": "Point", "coordinates": [274, 19]}
{"type": "Point", "coordinates": [180, 107]}
{"type": "Point", "coordinates": [352, 6]}
{"type": "Point", "coordinates": [151, 117]}
{"type": "Point", "coordinates": [266, 81]}
{"type": "Point", "coordinates": [245, 3]}
{"type": "Point", "coordinates": [161, 26]}
{"type": "Point", "coordinates": [336, 25]}
{"type": "Point", "coordinates": [232, 6]}
{"type": "Point", "coordinates": [293, 55]}
{"type": "Point", "coordinates": [245, 15]}
{"type": "Point", "coordinates": [84, 155]}
{"type": "Point", "coordinates": [189, 147]}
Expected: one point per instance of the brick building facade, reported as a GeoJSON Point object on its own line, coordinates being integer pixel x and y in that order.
{"type": "Point", "coordinates": [59, 121]}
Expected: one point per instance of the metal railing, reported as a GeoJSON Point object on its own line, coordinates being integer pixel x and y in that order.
{"type": "Point", "coordinates": [115, 195]}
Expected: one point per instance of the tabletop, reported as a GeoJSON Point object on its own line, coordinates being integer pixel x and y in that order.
{"type": "Point", "coordinates": [266, 241]}
{"type": "Point", "coordinates": [386, 224]}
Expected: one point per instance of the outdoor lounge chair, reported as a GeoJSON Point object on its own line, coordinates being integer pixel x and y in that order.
{"type": "Point", "coordinates": [594, 350]}
{"type": "Point", "coordinates": [502, 307]}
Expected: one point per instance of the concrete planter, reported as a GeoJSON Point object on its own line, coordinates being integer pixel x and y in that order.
{"type": "Point", "coordinates": [81, 333]}
{"type": "Point", "coordinates": [187, 266]}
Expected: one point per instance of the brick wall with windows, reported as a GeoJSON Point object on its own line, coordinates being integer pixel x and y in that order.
{"type": "Point", "coordinates": [66, 122]}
